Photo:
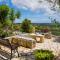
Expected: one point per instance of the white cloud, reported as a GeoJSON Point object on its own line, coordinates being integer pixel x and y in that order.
{"type": "Point", "coordinates": [36, 5]}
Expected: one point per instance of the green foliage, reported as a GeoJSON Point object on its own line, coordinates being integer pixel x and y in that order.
{"type": "Point", "coordinates": [37, 28]}
{"type": "Point", "coordinates": [45, 29]}
{"type": "Point", "coordinates": [57, 33]}
{"type": "Point", "coordinates": [17, 14]}
{"type": "Point", "coordinates": [5, 33]}
{"type": "Point", "coordinates": [55, 27]}
{"type": "Point", "coordinates": [55, 23]}
{"type": "Point", "coordinates": [26, 26]}
{"type": "Point", "coordinates": [43, 55]}
{"type": "Point", "coordinates": [1, 25]}
{"type": "Point", "coordinates": [16, 27]}
{"type": "Point", "coordinates": [7, 17]}
{"type": "Point", "coordinates": [8, 22]}
{"type": "Point", "coordinates": [12, 15]}
{"type": "Point", "coordinates": [42, 28]}
{"type": "Point", "coordinates": [7, 14]}
{"type": "Point", "coordinates": [4, 10]}
{"type": "Point", "coordinates": [31, 29]}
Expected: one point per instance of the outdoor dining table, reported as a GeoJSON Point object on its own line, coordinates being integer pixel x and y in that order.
{"type": "Point", "coordinates": [22, 41]}
{"type": "Point", "coordinates": [25, 41]}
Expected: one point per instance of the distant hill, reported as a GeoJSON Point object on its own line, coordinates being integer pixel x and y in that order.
{"type": "Point", "coordinates": [38, 24]}
{"type": "Point", "coordinates": [42, 24]}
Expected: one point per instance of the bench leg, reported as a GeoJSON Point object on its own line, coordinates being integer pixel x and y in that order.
{"type": "Point", "coordinates": [11, 55]}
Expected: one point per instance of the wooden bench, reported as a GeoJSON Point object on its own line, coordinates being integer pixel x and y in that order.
{"type": "Point", "coordinates": [12, 47]}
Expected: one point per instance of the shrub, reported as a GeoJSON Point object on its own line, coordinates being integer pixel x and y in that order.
{"type": "Point", "coordinates": [57, 33]}
{"type": "Point", "coordinates": [26, 26]}
{"type": "Point", "coordinates": [4, 34]}
{"type": "Point", "coordinates": [45, 30]}
{"type": "Point", "coordinates": [43, 55]}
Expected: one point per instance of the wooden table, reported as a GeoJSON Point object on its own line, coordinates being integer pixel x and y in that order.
{"type": "Point", "coordinates": [23, 41]}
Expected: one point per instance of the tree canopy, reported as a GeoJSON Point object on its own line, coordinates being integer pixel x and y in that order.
{"type": "Point", "coordinates": [4, 10]}
{"type": "Point", "coordinates": [26, 26]}
{"type": "Point", "coordinates": [7, 17]}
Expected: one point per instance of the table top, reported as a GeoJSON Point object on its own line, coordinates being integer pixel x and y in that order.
{"type": "Point", "coordinates": [22, 37]}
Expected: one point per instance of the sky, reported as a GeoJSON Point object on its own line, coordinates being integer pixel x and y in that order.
{"type": "Point", "coordinates": [38, 11]}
